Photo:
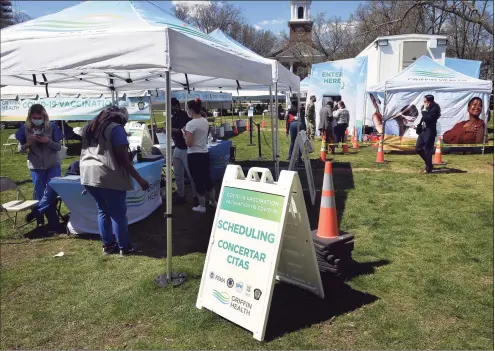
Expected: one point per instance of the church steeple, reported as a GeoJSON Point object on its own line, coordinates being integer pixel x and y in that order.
{"type": "Point", "coordinates": [300, 23]}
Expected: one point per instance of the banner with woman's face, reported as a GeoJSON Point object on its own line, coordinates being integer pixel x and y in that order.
{"type": "Point", "coordinates": [399, 113]}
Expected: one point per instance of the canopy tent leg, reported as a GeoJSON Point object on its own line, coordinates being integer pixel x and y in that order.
{"type": "Point", "coordinates": [63, 133]}
{"type": "Point", "coordinates": [277, 157]}
{"type": "Point", "coordinates": [298, 112]}
{"type": "Point", "coordinates": [152, 119]}
{"type": "Point", "coordinates": [272, 124]}
{"type": "Point", "coordinates": [170, 278]}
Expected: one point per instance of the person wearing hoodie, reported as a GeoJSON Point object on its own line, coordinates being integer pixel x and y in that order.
{"type": "Point", "coordinates": [40, 139]}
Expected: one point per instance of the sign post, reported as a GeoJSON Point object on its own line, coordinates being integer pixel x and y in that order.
{"type": "Point", "coordinates": [260, 233]}
{"type": "Point", "coordinates": [301, 145]}
{"type": "Point", "coordinates": [250, 121]}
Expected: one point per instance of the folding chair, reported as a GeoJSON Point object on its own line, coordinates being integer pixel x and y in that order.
{"type": "Point", "coordinates": [19, 205]}
{"type": "Point", "coordinates": [11, 144]}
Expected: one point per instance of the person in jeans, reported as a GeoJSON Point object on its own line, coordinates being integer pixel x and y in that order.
{"type": "Point", "coordinates": [292, 127]}
{"type": "Point", "coordinates": [341, 116]}
{"type": "Point", "coordinates": [427, 131]}
{"type": "Point", "coordinates": [179, 121]}
{"type": "Point", "coordinates": [198, 158]}
{"type": "Point", "coordinates": [106, 172]}
{"type": "Point", "coordinates": [40, 139]}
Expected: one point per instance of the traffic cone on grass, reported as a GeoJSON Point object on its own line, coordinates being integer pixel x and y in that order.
{"type": "Point", "coordinates": [380, 155]}
{"type": "Point", "coordinates": [248, 125]}
{"type": "Point", "coordinates": [234, 129]}
{"type": "Point", "coordinates": [333, 251]}
{"type": "Point", "coordinates": [438, 154]}
{"type": "Point", "coordinates": [263, 123]}
{"type": "Point", "coordinates": [345, 147]}
{"type": "Point", "coordinates": [355, 141]}
{"type": "Point", "coordinates": [327, 223]}
{"type": "Point", "coordinates": [323, 150]}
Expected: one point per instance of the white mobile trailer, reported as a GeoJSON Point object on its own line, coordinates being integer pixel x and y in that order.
{"type": "Point", "coordinates": [388, 56]}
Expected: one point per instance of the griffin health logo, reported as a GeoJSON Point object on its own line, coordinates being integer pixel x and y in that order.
{"type": "Point", "coordinates": [223, 297]}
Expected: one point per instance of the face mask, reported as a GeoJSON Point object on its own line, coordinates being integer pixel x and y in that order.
{"type": "Point", "coordinates": [38, 122]}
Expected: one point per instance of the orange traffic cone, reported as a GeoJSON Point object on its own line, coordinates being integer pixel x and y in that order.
{"type": "Point", "coordinates": [263, 123]}
{"type": "Point", "coordinates": [355, 141]}
{"type": "Point", "coordinates": [438, 154]}
{"type": "Point", "coordinates": [380, 155]}
{"type": "Point", "coordinates": [345, 147]}
{"type": "Point", "coordinates": [234, 129]}
{"type": "Point", "coordinates": [328, 226]}
{"type": "Point", "coordinates": [323, 150]}
{"type": "Point", "coordinates": [248, 125]}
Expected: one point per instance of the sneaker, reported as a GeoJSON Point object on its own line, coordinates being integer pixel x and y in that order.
{"type": "Point", "coordinates": [213, 204]}
{"type": "Point", "coordinates": [109, 249]}
{"type": "Point", "coordinates": [57, 229]}
{"type": "Point", "coordinates": [127, 251]}
{"type": "Point", "coordinates": [200, 209]}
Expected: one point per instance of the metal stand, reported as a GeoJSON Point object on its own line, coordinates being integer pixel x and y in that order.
{"type": "Point", "coordinates": [174, 278]}
{"type": "Point", "coordinates": [259, 141]}
{"type": "Point", "coordinates": [251, 131]}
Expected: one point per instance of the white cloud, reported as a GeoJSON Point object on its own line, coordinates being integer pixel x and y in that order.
{"type": "Point", "coordinates": [191, 3]}
{"type": "Point", "coordinates": [271, 22]}
{"type": "Point", "coordinates": [257, 27]}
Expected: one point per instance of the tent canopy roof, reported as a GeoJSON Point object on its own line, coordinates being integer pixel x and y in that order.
{"type": "Point", "coordinates": [284, 77]}
{"type": "Point", "coordinates": [127, 45]}
{"type": "Point", "coordinates": [426, 74]}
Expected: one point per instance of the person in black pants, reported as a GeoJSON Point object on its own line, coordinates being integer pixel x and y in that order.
{"type": "Point", "coordinates": [427, 131]}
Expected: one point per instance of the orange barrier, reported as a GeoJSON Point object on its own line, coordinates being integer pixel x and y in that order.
{"type": "Point", "coordinates": [323, 150]}
{"type": "Point", "coordinates": [355, 141]}
{"type": "Point", "coordinates": [380, 155]}
{"type": "Point", "coordinates": [438, 154]}
{"type": "Point", "coordinates": [328, 226]}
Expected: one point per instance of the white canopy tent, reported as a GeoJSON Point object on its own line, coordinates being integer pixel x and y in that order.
{"type": "Point", "coordinates": [122, 46]}
{"type": "Point", "coordinates": [452, 90]}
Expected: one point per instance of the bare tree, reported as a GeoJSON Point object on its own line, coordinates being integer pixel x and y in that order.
{"type": "Point", "coordinates": [19, 17]}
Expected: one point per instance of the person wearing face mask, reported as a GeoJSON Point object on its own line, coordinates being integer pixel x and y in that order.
{"type": "Point", "coordinates": [470, 131]}
{"type": "Point", "coordinates": [40, 139]}
{"type": "Point", "coordinates": [198, 158]}
{"type": "Point", "coordinates": [179, 120]}
{"type": "Point", "coordinates": [427, 131]}
{"type": "Point", "coordinates": [106, 171]}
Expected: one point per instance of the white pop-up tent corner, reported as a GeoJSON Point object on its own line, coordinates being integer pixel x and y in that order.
{"type": "Point", "coordinates": [123, 45]}
{"type": "Point", "coordinates": [452, 90]}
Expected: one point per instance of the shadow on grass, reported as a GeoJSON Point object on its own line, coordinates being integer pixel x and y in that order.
{"type": "Point", "coordinates": [293, 308]}
{"type": "Point", "coordinates": [447, 171]}
{"type": "Point", "coordinates": [357, 269]}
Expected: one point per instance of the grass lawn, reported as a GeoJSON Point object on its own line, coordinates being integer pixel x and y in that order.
{"type": "Point", "coordinates": [422, 278]}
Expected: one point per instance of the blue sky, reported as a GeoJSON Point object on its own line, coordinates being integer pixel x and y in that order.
{"type": "Point", "coordinates": [272, 15]}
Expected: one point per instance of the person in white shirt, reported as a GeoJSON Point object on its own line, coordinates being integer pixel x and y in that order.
{"type": "Point", "coordinates": [198, 158]}
{"type": "Point", "coordinates": [341, 116]}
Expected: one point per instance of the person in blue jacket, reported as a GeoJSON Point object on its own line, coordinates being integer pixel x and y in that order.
{"type": "Point", "coordinates": [40, 139]}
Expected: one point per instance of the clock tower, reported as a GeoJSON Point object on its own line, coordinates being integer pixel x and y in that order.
{"type": "Point", "coordinates": [300, 23]}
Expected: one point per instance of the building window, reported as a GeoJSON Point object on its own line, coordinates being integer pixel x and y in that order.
{"type": "Point", "coordinates": [300, 12]}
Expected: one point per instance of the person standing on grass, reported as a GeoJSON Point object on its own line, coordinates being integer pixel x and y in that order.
{"type": "Point", "coordinates": [179, 121]}
{"type": "Point", "coordinates": [427, 131]}
{"type": "Point", "coordinates": [198, 158]}
{"type": "Point", "coordinates": [327, 125]}
{"type": "Point", "coordinates": [40, 138]}
{"type": "Point", "coordinates": [292, 126]}
{"type": "Point", "coordinates": [106, 171]}
{"type": "Point", "coordinates": [341, 116]}
{"type": "Point", "coordinates": [311, 115]}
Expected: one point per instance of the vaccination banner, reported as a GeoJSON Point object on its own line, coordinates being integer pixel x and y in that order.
{"type": "Point", "coordinates": [83, 211]}
{"type": "Point", "coordinates": [74, 109]}
{"type": "Point", "coordinates": [403, 114]}
{"type": "Point", "coordinates": [158, 97]}
{"type": "Point", "coordinates": [345, 80]}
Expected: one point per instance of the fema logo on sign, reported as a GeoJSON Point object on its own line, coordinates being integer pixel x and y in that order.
{"type": "Point", "coordinates": [230, 282]}
{"type": "Point", "coordinates": [212, 275]}
{"type": "Point", "coordinates": [239, 287]}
